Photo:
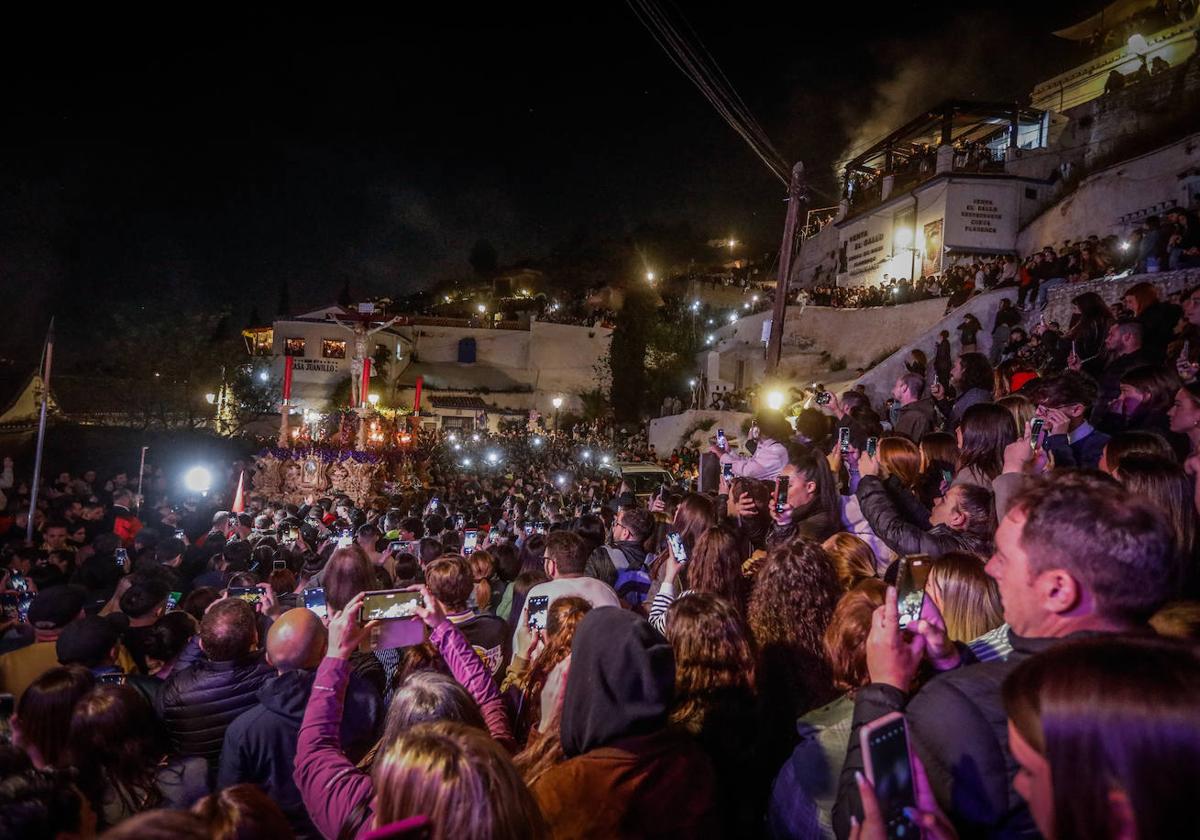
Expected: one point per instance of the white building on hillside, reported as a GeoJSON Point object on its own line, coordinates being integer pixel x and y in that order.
{"type": "Point", "coordinates": [467, 368]}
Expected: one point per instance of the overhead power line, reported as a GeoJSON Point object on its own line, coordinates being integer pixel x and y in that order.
{"type": "Point", "coordinates": [701, 68]}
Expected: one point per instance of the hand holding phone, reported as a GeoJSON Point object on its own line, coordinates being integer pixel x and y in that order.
{"type": "Point", "coordinates": [781, 493]}
{"type": "Point", "coordinates": [538, 611]}
{"type": "Point", "coordinates": [889, 766]}
{"type": "Point", "coordinates": [722, 442]}
{"type": "Point", "coordinates": [844, 440]}
{"type": "Point", "coordinates": [910, 588]}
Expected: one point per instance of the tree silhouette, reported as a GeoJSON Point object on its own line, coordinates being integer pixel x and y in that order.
{"type": "Point", "coordinates": [484, 259]}
{"type": "Point", "coordinates": [284, 307]}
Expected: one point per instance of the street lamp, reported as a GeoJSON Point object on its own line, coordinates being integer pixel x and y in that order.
{"type": "Point", "coordinates": [732, 242]}
{"type": "Point", "coordinates": [557, 403]}
{"type": "Point", "coordinates": [650, 276]}
{"type": "Point", "coordinates": [210, 398]}
{"type": "Point", "coordinates": [775, 400]}
{"type": "Point", "coordinates": [373, 399]}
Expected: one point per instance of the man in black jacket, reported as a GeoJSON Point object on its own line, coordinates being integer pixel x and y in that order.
{"type": "Point", "coordinates": [198, 704]}
{"type": "Point", "coordinates": [918, 414]}
{"type": "Point", "coordinates": [631, 527]}
{"type": "Point", "coordinates": [260, 745]}
{"type": "Point", "coordinates": [1076, 555]}
{"type": "Point", "coordinates": [961, 520]}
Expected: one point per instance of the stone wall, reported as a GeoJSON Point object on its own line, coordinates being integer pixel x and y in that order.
{"type": "Point", "coordinates": [666, 433]}
{"type": "Point", "coordinates": [1058, 302]}
{"type": "Point", "coordinates": [880, 379]}
{"type": "Point", "coordinates": [1102, 202]}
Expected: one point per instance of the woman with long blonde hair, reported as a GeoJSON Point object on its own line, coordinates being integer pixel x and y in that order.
{"type": "Point", "coordinates": [460, 779]}
{"type": "Point", "coordinates": [965, 595]}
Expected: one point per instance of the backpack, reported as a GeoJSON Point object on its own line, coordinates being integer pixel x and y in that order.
{"type": "Point", "coordinates": [632, 584]}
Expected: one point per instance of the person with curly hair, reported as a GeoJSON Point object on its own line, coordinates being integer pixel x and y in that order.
{"type": "Point", "coordinates": [791, 603]}
{"type": "Point", "coordinates": [714, 700]}
{"type": "Point", "coordinates": [802, 796]}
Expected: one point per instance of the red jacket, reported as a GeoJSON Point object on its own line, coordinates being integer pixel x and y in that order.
{"type": "Point", "coordinates": [126, 526]}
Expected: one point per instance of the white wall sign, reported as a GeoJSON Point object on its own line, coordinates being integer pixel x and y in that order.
{"type": "Point", "coordinates": [981, 215]}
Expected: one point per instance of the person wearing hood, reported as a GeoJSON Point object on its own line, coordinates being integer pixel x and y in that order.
{"type": "Point", "coordinates": [627, 773]}
{"type": "Point", "coordinates": [260, 744]}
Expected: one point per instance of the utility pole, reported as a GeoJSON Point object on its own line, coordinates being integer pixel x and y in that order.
{"type": "Point", "coordinates": [796, 198]}
{"type": "Point", "coordinates": [47, 363]}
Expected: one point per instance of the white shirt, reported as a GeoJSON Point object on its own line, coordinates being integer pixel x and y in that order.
{"type": "Point", "coordinates": [595, 592]}
{"type": "Point", "coordinates": [768, 461]}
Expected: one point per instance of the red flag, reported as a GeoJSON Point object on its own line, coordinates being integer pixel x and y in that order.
{"type": "Point", "coordinates": [239, 498]}
{"type": "Point", "coordinates": [417, 397]}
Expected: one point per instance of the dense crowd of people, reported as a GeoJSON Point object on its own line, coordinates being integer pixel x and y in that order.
{"type": "Point", "coordinates": [996, 570]}
{"type": "Point", "coordinates": [1167, 243]}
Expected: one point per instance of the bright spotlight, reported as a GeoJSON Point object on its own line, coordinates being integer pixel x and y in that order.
{"type": "Point", "coordinates": [373, 399]}
{"type": "Point", "coordinates": [561, 480]}
{"type": "Point", "coordinates": [475, 437]}
{"type": "Point", "coordinates": [481, 308]}
{"type": "Point", "coordinates": [775, 400]}
{"type": "Point", "coordinates": [493, 457]}
{"type": "Point", "coordinates": [262, 374]}
{"type": "Point", "coordinates": [586, 454]}
{"type": "Point", "coordinates": [458, 447]}
{"type": "Point", "coordinates": [754, 298]}
{"type": "Point", "coordinates": [695, 306]}
{"type": "Point", "coordinates": [650, 276]}
{"type": "Point", "coordinates": [537, 441]}
{"type": "Point", "coordinates": [1124, 246]}
{"type": "Point", "coordinates": [466, 462]}
{"type": "Point", "coordinates": [711, 338]}
{"type": "Point", "coordinates": [604, 459]}
{"type": "Point", "coordinates": [198, 480]}
{"type": "Point", "coordinates": [453, 438]}
{"type": "Point", "coordinates": [732, 317]}
{"type": "Point", "coordinates": [692, 383]}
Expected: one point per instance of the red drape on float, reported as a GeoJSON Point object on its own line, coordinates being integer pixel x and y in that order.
{"type": "Point", "coordinates": [417, 395]}
{"type": "Point", "coordinates": [288, 361]}
{"type": "Point", "coordinates": [366, 382]}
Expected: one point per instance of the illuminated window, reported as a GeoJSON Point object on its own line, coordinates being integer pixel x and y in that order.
{"type": "Point", "coordinates": [333, 349]}
{"type": "Point", "coordinates": [293, 347]}
{"type": "Point", "coordinates": [262, 341]}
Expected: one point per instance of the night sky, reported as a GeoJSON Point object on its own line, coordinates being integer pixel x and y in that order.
{"type": "Point", "coordinates": [207, 160]}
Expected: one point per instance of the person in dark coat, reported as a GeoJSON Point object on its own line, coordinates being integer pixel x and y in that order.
{"type": "Point", "coordinates": [961, 520]}
{"type": "Point", "coordinates": [623, 761]}
{"type": "Point", "coordinates": [972, 380]}
{"type": "Point", "coordinates": [260, 745]}
{"type": "Point", "coordinates": [942, 359]}
{"type": "Point", "coordinates": [1065, 403]}
{"type": "Point", "coordinates": [198, 704]}
{"type": "Point", "coordinates": [1112, 568]}
{"type": "Point", "coordinates": [631, 528]}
